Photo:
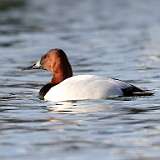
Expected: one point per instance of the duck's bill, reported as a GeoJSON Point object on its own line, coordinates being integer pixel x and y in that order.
{"type": "Point", "coordinates": [36, 65]}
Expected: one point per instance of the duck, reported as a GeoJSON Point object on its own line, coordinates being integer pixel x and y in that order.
{"type": "Point", "coordinates": [66, 87]}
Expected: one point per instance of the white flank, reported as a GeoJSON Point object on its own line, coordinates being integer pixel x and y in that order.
{"type": "Point", "coordinates": [86, 87]}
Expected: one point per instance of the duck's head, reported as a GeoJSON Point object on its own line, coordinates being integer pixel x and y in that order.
{"type": "Point", "coordinates": [56, 62]}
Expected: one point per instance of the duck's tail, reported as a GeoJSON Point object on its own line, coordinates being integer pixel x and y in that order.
{"type": "Point", "coordinates": [135, 91]}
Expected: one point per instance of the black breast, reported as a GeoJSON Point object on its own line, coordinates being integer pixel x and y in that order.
{"type": "Point", "coordinates": [44, 90]}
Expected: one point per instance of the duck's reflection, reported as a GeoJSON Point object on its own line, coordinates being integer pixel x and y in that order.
{"type": "Point", "coordinates": [77, 107]}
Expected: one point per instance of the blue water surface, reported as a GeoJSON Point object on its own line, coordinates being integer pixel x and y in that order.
{"type": "Point", "coordinates": [114, 38]}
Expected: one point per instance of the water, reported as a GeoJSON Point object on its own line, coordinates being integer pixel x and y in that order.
{"type": "Point", "coordinates": [117, 39]}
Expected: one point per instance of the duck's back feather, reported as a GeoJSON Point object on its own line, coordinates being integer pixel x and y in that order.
{"type": "Point", "coordinates": [89, 87]}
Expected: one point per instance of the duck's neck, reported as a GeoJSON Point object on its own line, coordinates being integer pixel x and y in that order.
{"type": "Point", "coordinates": [57, 78]}
{"type": "Point", "coordinates": [61, 74]}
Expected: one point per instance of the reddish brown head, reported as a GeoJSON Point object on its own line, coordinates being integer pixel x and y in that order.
{"type": "Point", "coordinates": [56, 62]}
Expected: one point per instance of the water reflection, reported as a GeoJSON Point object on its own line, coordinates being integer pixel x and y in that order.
{"type": "Point", "coordinates": [77, 107]}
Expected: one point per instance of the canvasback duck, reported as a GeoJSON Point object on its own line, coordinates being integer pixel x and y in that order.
{"type": "Point", "coordinates": [64, 86]}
